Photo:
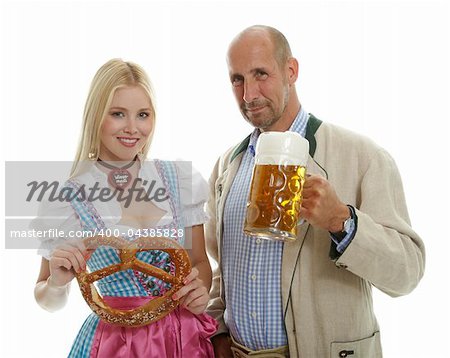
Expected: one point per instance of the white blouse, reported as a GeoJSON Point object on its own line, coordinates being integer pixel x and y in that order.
{"type": "Point", "coordinates": [60, 215]}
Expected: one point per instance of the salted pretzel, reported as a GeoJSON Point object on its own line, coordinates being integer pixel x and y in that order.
{"type": "Point", "coordinates": [153, 310]}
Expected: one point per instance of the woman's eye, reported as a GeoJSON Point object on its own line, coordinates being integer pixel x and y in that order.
{"type": "Point", "coordinates": [143, 115]}
{"type": "Point", "coordinates": [118, 114]}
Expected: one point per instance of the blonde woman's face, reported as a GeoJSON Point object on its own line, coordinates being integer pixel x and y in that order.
{"type": "Point", "coordinates": [127, 125]}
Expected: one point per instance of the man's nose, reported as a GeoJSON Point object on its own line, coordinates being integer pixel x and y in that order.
{"type": "Point", "coordinates": [251, 91]}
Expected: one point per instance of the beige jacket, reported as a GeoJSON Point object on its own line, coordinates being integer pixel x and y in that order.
{"type": "Point", "coordinates": [327, 297]}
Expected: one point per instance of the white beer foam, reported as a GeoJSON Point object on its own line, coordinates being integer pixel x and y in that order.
{"type": "Point", "coordinates": [281, 148]}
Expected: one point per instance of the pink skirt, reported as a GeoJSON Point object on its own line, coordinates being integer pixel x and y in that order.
{"type": "Point", "coordinates": [179, 334]}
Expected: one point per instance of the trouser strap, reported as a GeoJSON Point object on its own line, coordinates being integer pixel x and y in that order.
{"type": "Point", "coordinates": [240, 351]}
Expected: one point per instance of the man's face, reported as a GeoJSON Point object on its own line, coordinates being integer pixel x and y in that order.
{"type": "Point", "coordinates": [259, 84]}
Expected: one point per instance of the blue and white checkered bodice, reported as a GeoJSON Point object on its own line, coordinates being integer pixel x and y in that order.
{"type": "Point", "coordinates": [130, 283]}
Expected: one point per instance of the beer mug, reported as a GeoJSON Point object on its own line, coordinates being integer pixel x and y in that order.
{"type": "Point", "coordinates": [275, 197]}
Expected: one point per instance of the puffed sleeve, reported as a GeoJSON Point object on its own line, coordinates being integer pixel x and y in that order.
{"type": "Point", "coordinates": [193, 194]}
{"type": "Point", "coordinates": [54, 215]}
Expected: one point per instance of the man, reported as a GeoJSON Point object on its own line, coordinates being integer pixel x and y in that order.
{"type": "Point", "coordinates": [310, 298]}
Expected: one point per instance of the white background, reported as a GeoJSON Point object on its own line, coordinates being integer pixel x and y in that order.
{"type": "Point", "coordinates": [380, 68]}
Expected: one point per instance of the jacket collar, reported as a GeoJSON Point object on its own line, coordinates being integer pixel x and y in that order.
{"type": "Point", "coordinates": [311, 129]}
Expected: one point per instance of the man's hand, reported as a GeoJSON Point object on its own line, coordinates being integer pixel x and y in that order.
{"type": "Point", "coordinates": [321, 206]}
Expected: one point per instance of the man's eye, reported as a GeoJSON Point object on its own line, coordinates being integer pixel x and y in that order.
{"type": "Point", "coordinates": [118, 114]}
{"type": "Point", "coordinates": [237, 81]}
{"type": "Point", "coordinates": [261, 75]}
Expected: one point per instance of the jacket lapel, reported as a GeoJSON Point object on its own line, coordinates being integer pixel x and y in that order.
{"type": "Point", "coordinates": [291, 250]}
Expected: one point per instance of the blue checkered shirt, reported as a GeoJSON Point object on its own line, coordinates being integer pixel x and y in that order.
{"type": "Point", "coordinates": [252, 267]}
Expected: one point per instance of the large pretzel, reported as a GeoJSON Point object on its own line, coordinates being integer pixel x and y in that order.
{"type": "Point", "coordinates": [153, 310]}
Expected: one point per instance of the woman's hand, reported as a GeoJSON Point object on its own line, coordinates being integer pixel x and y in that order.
{"type": "Point", "coordinates": [194, 294]}
{"type": "Point", "coordinates": [66, 260]}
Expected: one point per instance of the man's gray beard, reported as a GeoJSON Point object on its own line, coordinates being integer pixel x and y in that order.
{"type": "Point", "coordinates": [272, 119]}
{"type": "Point", "coordinates": [264, 123]}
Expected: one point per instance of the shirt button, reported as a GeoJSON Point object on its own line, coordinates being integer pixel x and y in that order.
{"type": "Point", "coordinates": [253, 277]}
{"type": "Point", "coordinates": [254, 314]}
{"type": "Point", "coordinates": [258, 241]}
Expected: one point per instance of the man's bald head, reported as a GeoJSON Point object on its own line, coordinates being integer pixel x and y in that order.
{"type": "Point", "coordinates": [263, 74]}
{"type": "Point", "coordinates": [280, 45]}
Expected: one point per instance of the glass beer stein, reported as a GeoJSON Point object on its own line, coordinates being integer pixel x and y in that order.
{"type": "Point", "coordinates": [275, 197]}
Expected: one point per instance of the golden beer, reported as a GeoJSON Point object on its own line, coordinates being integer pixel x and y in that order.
{"type": "Point", "coordinates": [274, 201]}
{"type": "Point", "coordinates": [273, 207]}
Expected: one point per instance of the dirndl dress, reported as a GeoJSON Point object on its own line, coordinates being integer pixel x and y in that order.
{"type": "Point", "coordinates": [179, 334]}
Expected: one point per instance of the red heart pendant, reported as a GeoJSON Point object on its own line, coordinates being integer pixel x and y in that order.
{"type": "Point", "coordinates": [119, 178]}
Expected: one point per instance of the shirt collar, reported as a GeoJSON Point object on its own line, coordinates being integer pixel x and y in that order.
{"type": "Point", "coordinates": [298, 125]}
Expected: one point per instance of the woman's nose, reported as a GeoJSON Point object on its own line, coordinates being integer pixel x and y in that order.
{"type": "Point", "coordinates": [130, 127]}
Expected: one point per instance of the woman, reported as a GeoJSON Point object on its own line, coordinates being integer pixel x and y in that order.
{"type": "Point", "coordinates": [118, 126]}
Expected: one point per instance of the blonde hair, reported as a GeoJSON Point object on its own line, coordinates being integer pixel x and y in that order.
{"type": "Point", "coordinates": [114, 74]}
